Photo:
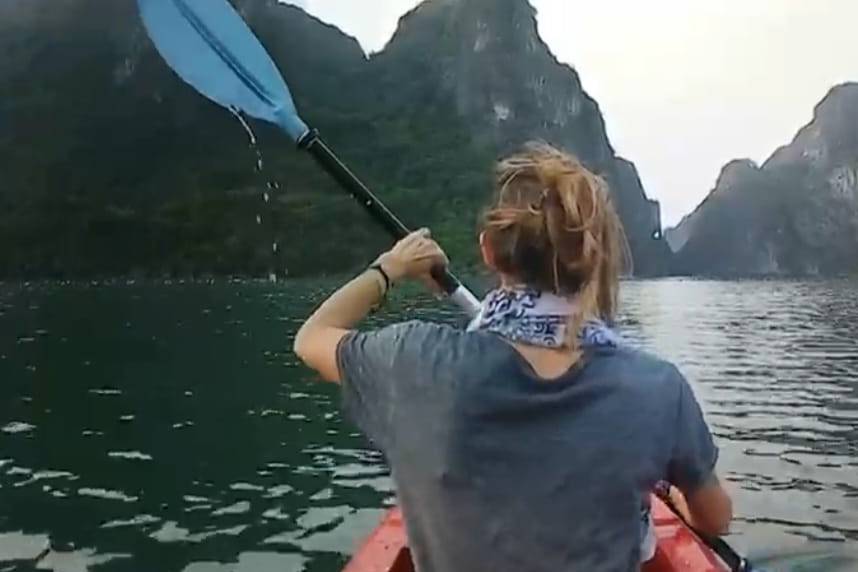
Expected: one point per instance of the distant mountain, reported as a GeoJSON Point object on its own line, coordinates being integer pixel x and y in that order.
{"type": "Point", "coordinates": [486, 56]}
{"type": "Point", "coordinates": [111, 165]}
{"type": "Point", "coordinates": [797, 214]}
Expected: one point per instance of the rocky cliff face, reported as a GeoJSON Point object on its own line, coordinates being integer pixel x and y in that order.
{"type": "Point", "coordinates": [112, 165]}
{"type": "Point", "coordinates": [487, 57]}
{"type": "Point", "coordinates": [797, 214]}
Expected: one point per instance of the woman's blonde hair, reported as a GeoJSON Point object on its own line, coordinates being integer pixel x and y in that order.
{"type": "Point", "coordinates": [553, 227]}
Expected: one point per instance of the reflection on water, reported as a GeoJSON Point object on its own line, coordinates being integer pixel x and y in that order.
{"type": "Point", "coordinates": [169, 428]}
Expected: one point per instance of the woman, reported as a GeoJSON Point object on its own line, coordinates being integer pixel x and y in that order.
{"type": "Point", "coordinates": [530, 441]}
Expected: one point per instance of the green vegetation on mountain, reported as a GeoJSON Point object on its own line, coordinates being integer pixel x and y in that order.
{"type": "Point", "coordinates": [110, 165]}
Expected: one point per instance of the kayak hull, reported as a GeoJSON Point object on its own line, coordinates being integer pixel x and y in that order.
{"type": "Point", "coordinates": [679, 549]}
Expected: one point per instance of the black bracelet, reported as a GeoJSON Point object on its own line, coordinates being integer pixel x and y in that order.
{"type": "Point", "coordinates": [387, 283]}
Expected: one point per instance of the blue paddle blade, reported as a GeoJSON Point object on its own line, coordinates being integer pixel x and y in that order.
{"type": "Point", "coordinates": [208, 44]}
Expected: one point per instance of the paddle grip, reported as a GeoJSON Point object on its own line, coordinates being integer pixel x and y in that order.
{"type": "Point", "coordinates": [313, 144]}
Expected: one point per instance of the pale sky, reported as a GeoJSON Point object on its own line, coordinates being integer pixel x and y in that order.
{"type": "Point", "coordinates": [684, 85]}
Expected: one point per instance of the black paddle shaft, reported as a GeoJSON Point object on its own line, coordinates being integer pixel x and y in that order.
{"type": "Point", "coordinates": [312, 143]}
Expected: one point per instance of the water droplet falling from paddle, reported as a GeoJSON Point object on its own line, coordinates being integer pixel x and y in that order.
{"type": "Point", "coordinates": [271, 186]}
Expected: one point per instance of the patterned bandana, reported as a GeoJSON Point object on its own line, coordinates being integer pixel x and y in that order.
{"type": "Point", "coordinates": [527, 316]}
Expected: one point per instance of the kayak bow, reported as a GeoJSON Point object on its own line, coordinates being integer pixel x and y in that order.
{"type": "Point", "coordinates": [679, 549]}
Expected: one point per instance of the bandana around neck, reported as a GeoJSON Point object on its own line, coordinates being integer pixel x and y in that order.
{"type": "Point", "coordinates": [535, 318]}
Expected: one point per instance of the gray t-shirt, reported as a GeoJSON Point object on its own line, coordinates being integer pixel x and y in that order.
{"type": "Point", "coordinates": [497, 469]}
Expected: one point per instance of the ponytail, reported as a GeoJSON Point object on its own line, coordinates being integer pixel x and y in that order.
{"type": "Point", "coordinates": [553, 227]}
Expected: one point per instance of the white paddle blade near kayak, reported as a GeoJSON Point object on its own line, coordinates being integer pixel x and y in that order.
{"type": "Point", "coordinates": [210, 47]}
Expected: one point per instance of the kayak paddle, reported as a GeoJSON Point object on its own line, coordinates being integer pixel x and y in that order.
{"type": "Point", "coordinates": [210, 47]}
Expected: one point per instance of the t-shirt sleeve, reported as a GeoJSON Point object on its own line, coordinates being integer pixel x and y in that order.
{"type": "Point", "coordinates": [694, 454]}
{"type": "Point", "coordinates": [374, 372]}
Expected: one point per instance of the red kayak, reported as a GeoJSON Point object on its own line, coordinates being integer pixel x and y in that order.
{"type": "Point", "coordinates": [679, 549]}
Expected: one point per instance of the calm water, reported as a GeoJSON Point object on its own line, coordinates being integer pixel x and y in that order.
{"type": "Point", "coordinates": [168, 428]}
